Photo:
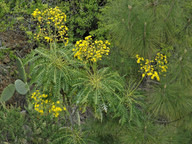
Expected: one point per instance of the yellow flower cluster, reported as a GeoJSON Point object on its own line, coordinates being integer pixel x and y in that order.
{"type": "Point", "coordinates": [51, 25]}
{"type": "Point", "coordinates": [161, 61]}
{"type": "Point", "coordinates": [153, 68]}
{"type": "Point", "coordinates": [87, 50]}
{"type": "Point", "coordinates": [43, 105]}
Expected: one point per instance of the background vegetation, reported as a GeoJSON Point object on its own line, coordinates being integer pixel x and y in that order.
{"type": "Point", "coordinates": [57, 92]}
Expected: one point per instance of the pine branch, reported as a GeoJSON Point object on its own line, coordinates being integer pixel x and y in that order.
{"type": "Point", "coordinates": [170, 10]}
{"type": "Point", "coordinates": [169, 122]}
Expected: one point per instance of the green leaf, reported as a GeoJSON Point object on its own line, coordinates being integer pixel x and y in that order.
{"type": "Point", "coordinates": [21, 87]}
{"type": "Point", "coordinates": [7, 93]}
{"type": "Point", "coordinates": [21, 70]}
{"type": "Point", "coordinates": [29, 33]}
{"type": "Point", "coordinates": [20, 18]}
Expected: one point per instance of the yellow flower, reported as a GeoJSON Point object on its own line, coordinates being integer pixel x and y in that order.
{"type": "Point", "coordinates": [139, 60]}
{"type": "Point", "coordinates": [155, 75]}
{"type": "Point", "coordinates": [39, 18]}
{"type": "Point", "coordinates": [158, 79]}
{"type": "Point", "coordinates": [88, 50]}
{"type": "Point", "coordinates": [149, 74]}
{"type": "Point", "coordinates": [49, 21]}
{"type": "Point", "coordinates": [152, 69]}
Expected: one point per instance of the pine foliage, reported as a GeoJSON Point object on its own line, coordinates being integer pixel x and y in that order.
{"type": "Point", "coordinates": [139, 131]}
{"type": "Point", "coordinates": [138, 27]}
{"type": "Point", "coordinates": [169, 100]}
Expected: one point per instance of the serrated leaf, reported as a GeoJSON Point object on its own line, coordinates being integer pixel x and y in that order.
{"type": "Point", "coordinates": [7, 92]}
{"type": "Point", "coordinates": [21, 87]}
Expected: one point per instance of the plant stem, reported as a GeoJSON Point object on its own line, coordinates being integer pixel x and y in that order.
{"type": "Point", "coordinates": [94, 67]}
{"type": "Point", "coordinates": [136, 87]}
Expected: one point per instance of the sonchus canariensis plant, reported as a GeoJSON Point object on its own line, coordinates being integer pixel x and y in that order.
{"type": "Point", "coordinates": [50, 69]}
{"type": "Point", "coordinates": [96, 87]}
{"type": "Point", "coordinates": [50, 66]}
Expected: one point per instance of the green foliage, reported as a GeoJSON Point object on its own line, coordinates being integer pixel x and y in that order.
{"type": "Point", "coordinates": [183, 136]}
{"type": "Point", "coordinates": [180, 67]}
{"type": "Point", "coordinates": [16, 14]}
{"type": "Point", "coordinates": [169, 100]}
{"type": "Point", "coordinates": [4, 8]}
{"type": "Point", "coordinates": [19, 127]}
{"type": "Point", "coordinates": [99, 89]}
{"type": "Point", "coordinates": [21, 87]}
{"type": "Point", "coordinates": [66, 135]}
{"type": "Point", "coordinates": [7, 52]}
{"type": "Point", "coordinates": [21, 70]}
{"type": "Point", "coordinates": [132, 110]}
{"type": "Point", "coordinates": [138, 27]}
{"type": "Point", "coordinates": [7, 92]}
{"type": "Point", "coordinates": [133, 98]}
{"type": "Point", "coordinates": [51, 69]}
{"type": "Point", "coordinates": [105, 132]}
{"type": "Point", "coordinates": [139, 131]}
{"type": "Point", "coordinates": [187, 5]}
{"type": "Point", "coordinates": [11, 122]}
{"type": "Point", "coordinates": [25, 126]}
{"type": "Point", "coordinates": [82, 17]}
{"type": "Point", "coordinates": [166, 50]}
{"type": "Point", "coordinates": [125, 65]}
{"type": "Point", "coordinates": [40, 129]}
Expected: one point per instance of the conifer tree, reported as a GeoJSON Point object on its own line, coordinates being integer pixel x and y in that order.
{"type": "Point", "coordinates": [145, 28]}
